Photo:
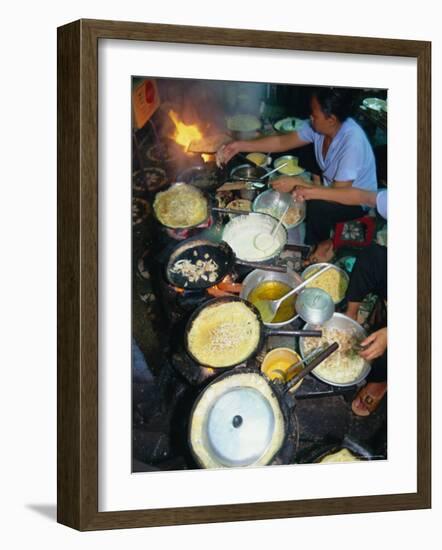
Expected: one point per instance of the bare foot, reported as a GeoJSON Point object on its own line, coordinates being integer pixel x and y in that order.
{"type": "Point", "coordinates": [323, 252]}
{"type": "Point", "coordinates": [368, 398]}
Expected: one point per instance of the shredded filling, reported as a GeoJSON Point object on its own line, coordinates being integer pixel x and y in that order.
{"type": "Point", "coordinates": [206, 270]}
{"type": "Point", "coordinates": [344, 365]}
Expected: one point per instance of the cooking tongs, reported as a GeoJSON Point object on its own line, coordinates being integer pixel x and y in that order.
{"type": "Point", "coordinates": [318, 356]}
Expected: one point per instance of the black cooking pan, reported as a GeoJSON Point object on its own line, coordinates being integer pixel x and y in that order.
{"type": "Point", "coordinates": [210, 177]}
{"type": "Point", "coordinates": [198, 433]}
{"type": "Point", "coordinates": [235, 415]}
{"type": "Point", "coordinates": [210, 202]}
{"type": "Point", "coordinates": [207, 177]}
{"type": "Point", "coordinates": [264, 332]}
{"type": "Point", "coordinates": [200, 222]}
{"type": "Point", "coordinates": [317, 453]}
{"type": "Point", "coordinates": [204, 250]}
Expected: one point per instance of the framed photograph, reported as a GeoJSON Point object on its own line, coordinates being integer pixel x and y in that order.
{"type": "Point", "coordinates": [204, 173]}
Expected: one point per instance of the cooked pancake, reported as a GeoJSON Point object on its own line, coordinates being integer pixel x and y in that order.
{"type": "Point", "coordinates": [224, 334]}
{"type": "Point", "coordinates": [344, 455]}
{"type": "Point", "coordinates": [180, 206]}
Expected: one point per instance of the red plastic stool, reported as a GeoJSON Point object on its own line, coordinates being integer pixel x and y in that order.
{"type": "Point", "coordinates": [370, 226]}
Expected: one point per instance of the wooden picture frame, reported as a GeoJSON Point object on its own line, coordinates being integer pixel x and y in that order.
{"type": "Point", "coordinates": [78, 274]}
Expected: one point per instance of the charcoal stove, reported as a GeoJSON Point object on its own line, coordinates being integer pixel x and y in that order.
{"type": "Point", "coordinates": [179, 303]}
{"type": "Point", "coordinates": [149, 180]}
{"type": "Point", "coordinates": [158, 159]}
{"type": "Point", "coordinates": [181, 234]}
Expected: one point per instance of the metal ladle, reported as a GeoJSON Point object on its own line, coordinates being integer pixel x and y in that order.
{"type": "Point", "coordinates": [269, 308]}
{"type": "Point", "coordinates": [263, 241]}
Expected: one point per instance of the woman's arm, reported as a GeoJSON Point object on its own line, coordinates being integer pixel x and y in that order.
{"type": "Point", "coordinates": [297, 184]}
{"type": "Point", "coordinates": [270, 144]}
{"type": "Point", "coordinates": [342, 195]}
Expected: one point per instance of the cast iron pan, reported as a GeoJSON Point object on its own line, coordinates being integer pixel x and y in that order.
{"type": "Point", "coordinates": [201, 222]}
{"type": "Point", "coordinates": [207, 177]}
{"type": "Point", "coordinates": [199, 249]}
{"type": "Point", "coordinates": [264, 331]}
{"type": "Point", "coordinates": [319, 452]}
{"type": "Point", "coordinates": [210, 202]}
{"type": "Point", "coordinates": [291, 427]}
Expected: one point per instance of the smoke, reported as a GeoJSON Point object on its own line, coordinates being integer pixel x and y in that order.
{"type": "Point", "coordinates": [207, 103]}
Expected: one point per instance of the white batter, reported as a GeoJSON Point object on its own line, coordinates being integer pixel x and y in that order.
{"type": "Point", "coordinates": [242, 237]}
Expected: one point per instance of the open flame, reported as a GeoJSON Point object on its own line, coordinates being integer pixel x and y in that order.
{"type": "Point", "coordinates": [184, 133]}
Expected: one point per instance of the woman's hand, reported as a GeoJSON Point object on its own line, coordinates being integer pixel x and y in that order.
{"type": "Point", "coordinates": [376, 345]}
{"type": "Point", "coordinates": [284, 184]}
{"type": "Point", "coordinates": [305, 193]}
{"type": "Point", "coordinates": [226, 152]}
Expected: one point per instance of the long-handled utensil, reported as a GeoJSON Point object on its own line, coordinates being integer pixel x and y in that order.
{"type": "Point", "coordinates": [282, 376]}
{"type": "Point", "coordinates": [320, 357]}
{"type": "Point", "coordinates": [264, 241]}
{"type": "Point", "coordinates": [269, 308]}
{"type": "Point", "coordinates": [273, 171]}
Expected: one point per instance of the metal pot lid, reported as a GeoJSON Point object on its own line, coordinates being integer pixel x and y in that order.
{"type": "Point", "coordinates": [240, 426]}
{"type": "Point", "coordinates": [237, 421]}
{"type": "Point", "coordinates": [315, 305]}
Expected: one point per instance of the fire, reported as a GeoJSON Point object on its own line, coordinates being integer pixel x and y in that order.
{"type": "Point", "coordinates": [184, 133]}
{"type": "Point", "coordinates": [206, 158]}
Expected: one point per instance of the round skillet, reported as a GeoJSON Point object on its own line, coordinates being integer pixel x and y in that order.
{"type": "Point", "coordinates": [264, 332]}
{"type": "Point", "coordinates": [244, 400]}
{"type": "Point", "coordinates": [200, 249]}
{"type": "Point", "coordinates": [207, 177]}
{"type": "Point", "coordinates": [200, 222]}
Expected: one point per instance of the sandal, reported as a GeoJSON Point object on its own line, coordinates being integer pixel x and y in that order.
{"type": "Point", "coordinates": [367, 402]}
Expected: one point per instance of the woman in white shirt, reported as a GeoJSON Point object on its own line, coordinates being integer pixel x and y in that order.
{"type": "Point", "coordinates": [343, 154]}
